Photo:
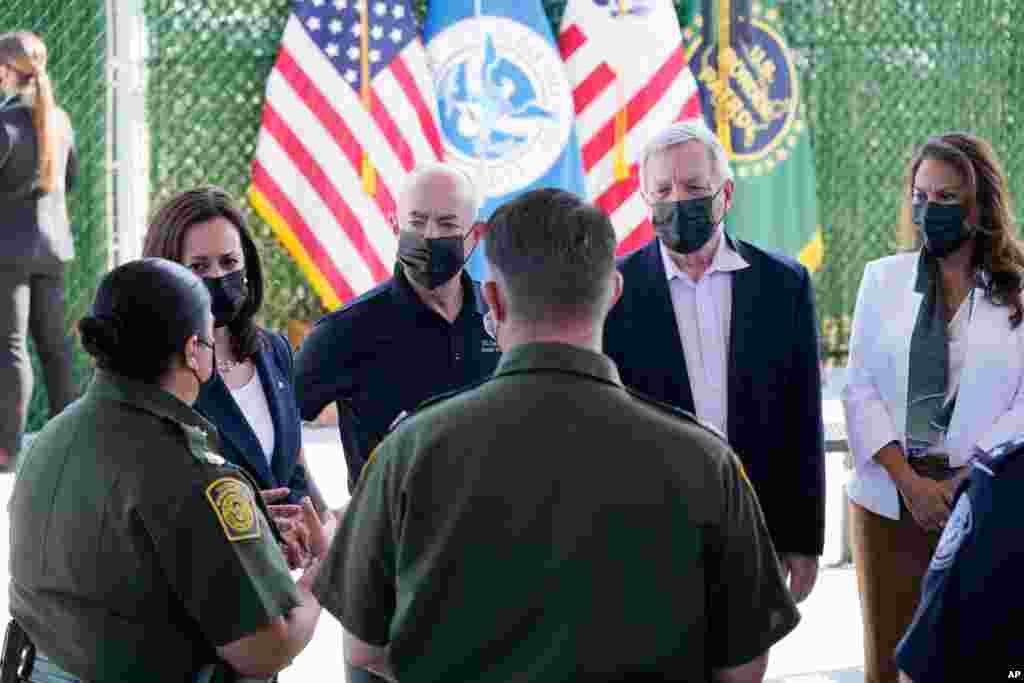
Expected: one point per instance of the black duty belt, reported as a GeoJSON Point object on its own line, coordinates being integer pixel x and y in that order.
{"type": "Point", "coordinates": [19, 655]}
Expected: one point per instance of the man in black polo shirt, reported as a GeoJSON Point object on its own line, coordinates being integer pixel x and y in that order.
{"type": "Point", "coordinates": [414, 336]}
{"type": "Point", "coordinates": [550, 524]}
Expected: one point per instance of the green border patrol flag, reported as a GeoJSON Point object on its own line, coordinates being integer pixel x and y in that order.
{"type": "Point", "coordinates": [750, 97]}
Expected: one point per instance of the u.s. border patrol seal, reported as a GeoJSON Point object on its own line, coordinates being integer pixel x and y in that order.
{"type": "Point", "coordinates": [958, 527]}
{"type": "Point", "coordinates": [749, 91]}
{"type": "Point", "coordinates": [235, 509]}
{"type": "Point", "coordinates": [505, 108]}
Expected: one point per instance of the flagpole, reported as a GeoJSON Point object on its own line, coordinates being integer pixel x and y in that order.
{"type": "Point", "coordinates": [369, 174]}
{"type": "Point", "coordinates": [621, 169]}
{"type": "Point", "coordinates": [481, 143]}
{"type": "Point", "coordinates": [724, 67]}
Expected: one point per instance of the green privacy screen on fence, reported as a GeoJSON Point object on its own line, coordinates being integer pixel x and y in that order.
{"type": "Point", "coordinates": [76, 36]}
{"type": "Point", "coordinates": [877, 77]}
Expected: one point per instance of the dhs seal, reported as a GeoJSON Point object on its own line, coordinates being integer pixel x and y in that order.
{"type": "Point", "coordinates": [958, 527]}
{"type": "Point", "coordinates": [749, 92]}
{"type": "Point", "coordinates": [504, 103]}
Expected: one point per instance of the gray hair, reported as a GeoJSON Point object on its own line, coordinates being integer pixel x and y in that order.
{"type": "Point", "coordinates": [435, 167]}
{"type": "Point", "coordinates": [684, 131]}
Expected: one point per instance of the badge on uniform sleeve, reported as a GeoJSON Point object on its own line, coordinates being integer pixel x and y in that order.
{"type": "Point", "coordinates": [958, 527]}
{"type": "Point", "coordinates": [232, 502]}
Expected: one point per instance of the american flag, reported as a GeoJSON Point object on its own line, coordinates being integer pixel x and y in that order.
{"type": "Point", "coordinates": [630, 79]}
{"type": "Point", "coordinates": [350, 109]}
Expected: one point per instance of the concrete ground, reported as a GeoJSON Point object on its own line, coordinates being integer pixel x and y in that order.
{"type": "Point", "coordinates": [826, 647]}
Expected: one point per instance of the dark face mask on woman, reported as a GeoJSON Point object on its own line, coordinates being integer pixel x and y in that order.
{"type": "Point", "coordinates": [686, 225]}
{"type": "Point", "coordinates": [431, 262]}
{"type": "Point", "coordinates": [228, 295]}
{"type": "Point", "coordinates": [943, 227]}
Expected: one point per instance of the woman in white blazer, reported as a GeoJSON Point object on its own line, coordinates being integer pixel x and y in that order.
{"type": "Point", "coordinates": [923, 398]}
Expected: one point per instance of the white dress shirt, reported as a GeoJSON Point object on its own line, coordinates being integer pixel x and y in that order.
{"type": "Point", "coordinates": [703, 314]}
{"type": "Point", "coordinates": [253, 402]}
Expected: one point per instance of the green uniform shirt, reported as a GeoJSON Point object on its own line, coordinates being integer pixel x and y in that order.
{"type": "Point", "coordinates": [135, 550]}
{"type": "Point", "coordinates": [550, 525]}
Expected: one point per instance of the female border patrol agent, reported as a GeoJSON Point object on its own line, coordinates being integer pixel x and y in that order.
{"type": "Point", "coordinates": [137, 552]}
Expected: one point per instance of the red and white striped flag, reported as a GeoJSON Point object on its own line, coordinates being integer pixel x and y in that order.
{"type": "Point", "coordinates": [630, 79]}
{"type": "Point", "coordinates": [350, 109]}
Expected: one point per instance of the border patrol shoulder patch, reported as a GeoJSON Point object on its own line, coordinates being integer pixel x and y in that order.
{"type": "Point", "coordinates": [233, 504]}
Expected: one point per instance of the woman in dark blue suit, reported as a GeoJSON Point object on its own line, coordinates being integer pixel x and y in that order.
{"type": "Point", "coordinates": [250, 397]}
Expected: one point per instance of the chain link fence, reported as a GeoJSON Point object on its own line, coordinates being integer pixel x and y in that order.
{"type": "Point", "coordinates": [207, 68]}
{"type": "Point", "coordinates": [75, 33]}
{"type": "Point", "coordinates": [877, 78]}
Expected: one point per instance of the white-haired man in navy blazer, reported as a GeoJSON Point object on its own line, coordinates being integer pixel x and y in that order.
{"type": "Point", "coordinates": [721, 328]}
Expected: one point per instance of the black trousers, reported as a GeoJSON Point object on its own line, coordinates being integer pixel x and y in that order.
{"type": "Point", "coordinates": [31, 300]}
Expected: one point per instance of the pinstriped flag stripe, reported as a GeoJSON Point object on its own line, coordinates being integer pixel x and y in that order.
{"type": "Point", "coordinates": [307, 174]}
{"type": "Point", "coordinates": [657, 89]}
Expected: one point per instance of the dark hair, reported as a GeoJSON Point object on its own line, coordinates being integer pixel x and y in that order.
{"type": "Point", "coordinates": [997, 250]}
{"type": "Point", "coordinates": [554, 253]}
{"type": "Point", "coordinates": [143, 314]}
{"type": "Point", "coordinates": [166, 239]}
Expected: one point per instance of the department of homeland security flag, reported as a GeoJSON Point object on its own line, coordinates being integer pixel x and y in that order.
{"type": "Point", "coordinates": [751, 97]}
{"type": "Point", "coordinates": [350, 110]}
{"type": "Point", "coordinates": [504, 102]}
{"type": "Point", "coordinates": [630, 80]}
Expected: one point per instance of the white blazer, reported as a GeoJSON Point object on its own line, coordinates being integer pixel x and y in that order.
{"type": "Point", "coordinates": [990, 404]}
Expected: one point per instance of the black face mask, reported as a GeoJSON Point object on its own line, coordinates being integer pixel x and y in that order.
{"type": "Point", "coordinates": [685, 225]}
{"type": "Point", "coordinates": [430, 262]}
{"type": "Point", "coordinates": [228, 295]}
{"type": "Point", "coordinates": [943, 227]}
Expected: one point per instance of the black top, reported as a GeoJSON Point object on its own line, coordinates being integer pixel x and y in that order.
{"type": "Point", "coordinates": [549, 525]}
{"type": "Point", "coordinates": [34, 227]}
{"type": "Point", "coordinates": [969, 625]}
{"type": "Point", "coordinates": [384, 354]}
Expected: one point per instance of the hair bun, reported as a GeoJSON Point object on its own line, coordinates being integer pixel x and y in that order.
{"type": "Point", "coordinates": [102, 336]}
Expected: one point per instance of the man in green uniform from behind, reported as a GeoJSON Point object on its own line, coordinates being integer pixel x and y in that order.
{"type": "Point", "coordinates": [549, 524]}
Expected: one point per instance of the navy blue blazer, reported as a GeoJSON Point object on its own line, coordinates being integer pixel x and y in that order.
{"type": "Point", "coordinates": [238, 440]}
{"type": "Point", "coordinates": [774, 403]}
